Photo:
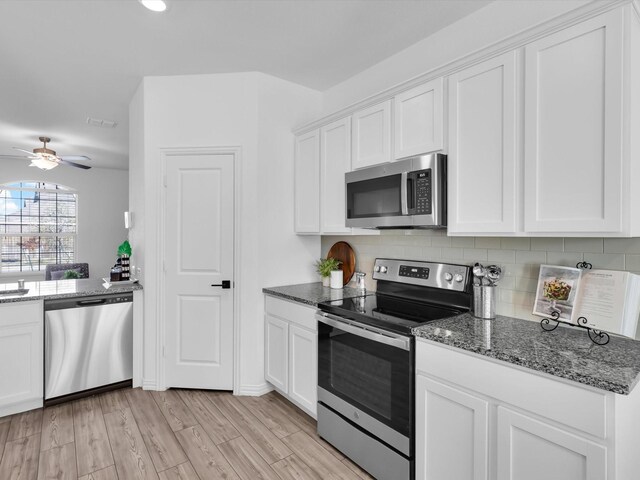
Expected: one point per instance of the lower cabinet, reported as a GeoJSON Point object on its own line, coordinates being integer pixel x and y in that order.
{"type": "Point", "coordinates": [291, 349]}
{"type": "Point", "coordinates": [21, 356]}
{"type": "Point", "coordinates": [481, 419]}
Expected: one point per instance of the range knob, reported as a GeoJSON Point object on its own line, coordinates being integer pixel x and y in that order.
{"type": "Point", "coordinates": [383, 269]}
{"type": "Point", "coordinates": [448, 277]}
{"type": "Point", "coordinates": [376, 268]}
{"type": "Point", "coordinates": [458, 278]}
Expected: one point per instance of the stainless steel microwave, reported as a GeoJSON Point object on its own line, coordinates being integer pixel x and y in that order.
{"type": "Point", "coordinates": [409, 193]}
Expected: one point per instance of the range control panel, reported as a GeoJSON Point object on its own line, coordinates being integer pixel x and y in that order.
{"type": "Point", "coordinates": [448, 276]}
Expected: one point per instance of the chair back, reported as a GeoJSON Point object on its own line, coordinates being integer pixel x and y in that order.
{"type": "Point", "coordinates": [56, 272]}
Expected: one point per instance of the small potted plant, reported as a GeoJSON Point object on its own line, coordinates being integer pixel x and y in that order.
{"type": "Point", "coordinates": [325, 266]}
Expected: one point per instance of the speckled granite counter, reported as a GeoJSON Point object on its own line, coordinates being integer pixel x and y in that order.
{"type": "Point", "coordinates": [311, 293]}
{"type": "Point", "coordinates": [52, 289]}
{"type": "Point", "coordinates": [565, 352]}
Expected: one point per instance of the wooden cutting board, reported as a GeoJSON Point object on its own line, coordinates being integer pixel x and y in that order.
{"type": "Point", "coordinates": [342, 251]}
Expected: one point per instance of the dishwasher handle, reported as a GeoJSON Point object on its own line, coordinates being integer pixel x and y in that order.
{"type": "Point", "coordinates": [85, 303]}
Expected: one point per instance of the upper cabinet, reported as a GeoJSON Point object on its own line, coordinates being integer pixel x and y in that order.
{"type": "Point", "coordinates": [371, 143]}
{"type": "Point", "coordinates": [482, 147]}
{"type": "Point", "coordinates": [307, 183]}
{"type": "Point", "coordinates": [573, 128]}
{"type": "Point", "coordinates": [335, 161]}
{"type": "Point", "coordinates": [418, 119]}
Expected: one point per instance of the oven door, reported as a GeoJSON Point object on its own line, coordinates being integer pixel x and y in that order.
{"type": "Point", "coordinates": [367, 377]}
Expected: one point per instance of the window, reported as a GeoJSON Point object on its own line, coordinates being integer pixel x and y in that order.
{"type": "Point", "coordinates": [38, 224]}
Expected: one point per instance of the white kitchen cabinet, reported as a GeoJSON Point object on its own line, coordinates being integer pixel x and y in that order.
{"type": "Point", "coordinates": [307, 183]}
{"type": "Point", "coordinates": [303, 362]}
{"type": "Point", "coordinates": [291, 350]}
{"type": "Point", "coordinates": [574, 162]}
{"type": "Point", "coordinates": [276, 361]}
{"type": "Point", "coordinates": [529, 449]}
{"type": "Point", "coordinates": [418, 120]}
{"type": "Point", "coordinates": [21, 356]}
{"type": "Point", "coordinates": [452, 429]}
{"type": "Point", "coordinates": [335, 161]}
{"type": "Point", "coordinates": [484, 418]}
{"type": "Point", "coordinates": [371, 142]}
{"type": "Point", "coordinates": [482, 161]}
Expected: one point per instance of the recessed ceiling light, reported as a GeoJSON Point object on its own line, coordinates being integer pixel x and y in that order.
{"type": "Point", "coordinates": [154, 5]}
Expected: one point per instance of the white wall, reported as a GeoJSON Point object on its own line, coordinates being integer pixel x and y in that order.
{"type": "Point", "coordinates": [102, 199]}
{"type": "Point", "coordinates": [491, 24]}
{"type": "Point", "coordinates": [255, 112]}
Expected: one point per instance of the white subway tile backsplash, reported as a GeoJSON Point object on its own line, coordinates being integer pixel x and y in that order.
{"type": "Point", "coordinates": [584, 245]}
{"type": "Point", "coordinates": [501, 256]}
{"type": "Point", "coordinates": [547, 244]}
{"type": "Point", "coordinates": [519, 243]}
{"type": "Point", "coordinates": [523, 256]}
{"type": "Point", "coordinates": [519, 258]}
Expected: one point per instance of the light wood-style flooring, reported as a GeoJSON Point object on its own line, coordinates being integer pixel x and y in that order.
{"type": "Point", "coordinates": [178, 434]}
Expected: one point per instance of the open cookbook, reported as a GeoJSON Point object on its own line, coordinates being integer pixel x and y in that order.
{"type": "Point", "coordinates": [608, 299]}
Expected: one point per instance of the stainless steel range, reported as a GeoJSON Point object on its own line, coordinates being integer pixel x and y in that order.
{"type": "Point", "coordinates": [366, 361]}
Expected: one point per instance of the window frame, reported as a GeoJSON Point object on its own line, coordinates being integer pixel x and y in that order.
{"type": "Point", "coordinates": [11, 185]}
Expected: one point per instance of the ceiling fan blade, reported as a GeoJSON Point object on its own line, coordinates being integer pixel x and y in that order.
{"type": "Point", "coordinates": [72, 164]}
{"type": "Point", "coordinates": [82, 158]}
{"type": "Point", "coordinates": [22, 150]}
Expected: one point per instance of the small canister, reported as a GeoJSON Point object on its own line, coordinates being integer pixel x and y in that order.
{"type": "Point", "coordinates": [336, 279]}
{"type": "Point", "coordinates": [484, 301]}
{"type": "Point", "coordinates": [360, 285]}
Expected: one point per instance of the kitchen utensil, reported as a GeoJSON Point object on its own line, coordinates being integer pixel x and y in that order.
{"type": "Point", "coordinates": [494, 273]}
{"type": "Point", "coordinates": [479, 272]}
{"type": "Point", "coordinates": [342, 251]}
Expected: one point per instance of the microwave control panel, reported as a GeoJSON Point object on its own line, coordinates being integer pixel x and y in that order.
{"type": "Point", "coordinates": [423, 192]}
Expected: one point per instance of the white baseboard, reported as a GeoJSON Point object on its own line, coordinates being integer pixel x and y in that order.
{"type": "Point", "coordinates": [21, 407]}
{"type": "Point", "coordinates": [253, 390]}
{"type": "Point", "coordinates": [151, 385]}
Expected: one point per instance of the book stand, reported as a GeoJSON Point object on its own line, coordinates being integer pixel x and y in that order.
{"type": "Point", "coordinates": [597, 336]}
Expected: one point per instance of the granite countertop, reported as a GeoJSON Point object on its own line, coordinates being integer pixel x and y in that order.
{"type": "Point", "coordinates": [53, 289]}
{"type": "Point", "coordinates": [311, 293]}
{"type": "Point", "coordinates": [565, 352]}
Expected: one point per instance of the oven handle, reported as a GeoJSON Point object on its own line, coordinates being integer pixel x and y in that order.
{"type": "Point", "coordinates": [397, 341]}
{"type": "Point", "coordinates": [403, 193]}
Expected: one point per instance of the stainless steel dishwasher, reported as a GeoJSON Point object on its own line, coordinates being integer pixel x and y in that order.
{"type": "Point", "coordinates": [88, 345]}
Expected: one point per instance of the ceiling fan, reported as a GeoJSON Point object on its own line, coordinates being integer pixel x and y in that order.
{"type": "Point", "coordinates": [46, 159]}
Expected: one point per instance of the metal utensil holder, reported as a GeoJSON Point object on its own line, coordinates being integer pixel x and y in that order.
{"type": "Point", "coordinates": [484, 301]}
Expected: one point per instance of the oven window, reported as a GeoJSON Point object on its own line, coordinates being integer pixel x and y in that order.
{"type": "Point", "coordinates": [378, 197]}
{"type": "Point", "coordinates": [373, 377]}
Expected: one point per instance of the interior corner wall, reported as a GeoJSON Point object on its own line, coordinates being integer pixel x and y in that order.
{"type": "Point", "coordinates": [102, 199]}
{"type": "Point", "coordinates": [495, 22]}
{"type": "Point", "coordinates": [217, 111]}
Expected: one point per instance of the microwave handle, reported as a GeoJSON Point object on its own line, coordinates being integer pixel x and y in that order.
{"type": "Point", "coordinates": [403, 193]}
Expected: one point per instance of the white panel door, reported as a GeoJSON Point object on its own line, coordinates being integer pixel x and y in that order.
{"type": "Point", "coordinates": [371, 143]}
{"type": "Point", "coordinates": [335, 153]}
{"type": "Point", "coordinates": [303, 367]}
{"type": "Point", "coordinates": [21, 356]}
{"type": "Point", "coordinates": [198, 255]}
{"type": "Point", "coordinates": [418, 115]}
{"type": "Point", "coordinates": [482, 164]}
{"type": "Point", "coordinates": [276, 352]}
{"type": "Point", "coordinates": [532, 450]}
{"type": "Point", "coordinates": [452, 433]}
{"type": "Point", "coordinates": [573, 115]}
{"type": "Point", "coordinates": [307, 183]}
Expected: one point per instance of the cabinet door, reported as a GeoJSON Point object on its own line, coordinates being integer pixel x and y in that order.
{"type": "Point", "coordinates": [335, 153]}
{"type": "Point", "coordinates": [451, 433]}
{"type": "Point", "coordinates": [307, 183]}
{"type": "Point", "coordinates": [573, 115]}
{"type": "Point", "coordinates": [276, 355]}
{"type": "Point", "coordinates": [303, 367]}
{"type": "Point", "coordinates": [21, 357]}
{"type": "Point", "coordinates": [418, 120]}
{"type": "Point", "coordinates": [532, 450]}
{"type": "Point", "coordinates": [482, 148]}
{"type": "Point", "coordinates": [372, 136]}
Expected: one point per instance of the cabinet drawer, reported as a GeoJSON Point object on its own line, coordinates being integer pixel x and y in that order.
{"type": "Point", "coordinates": [576, 407]}
{"type": "Point", "coordinates": [20, 313]}
{"type": "Point", "coordinates": [292, 312]}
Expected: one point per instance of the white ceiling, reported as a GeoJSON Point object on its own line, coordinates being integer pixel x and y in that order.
{"type": "Point", "coordinates": [62, 61]}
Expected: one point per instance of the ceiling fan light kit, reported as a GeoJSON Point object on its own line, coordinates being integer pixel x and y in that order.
{"type": "Point", "coordinates": [154, 5]}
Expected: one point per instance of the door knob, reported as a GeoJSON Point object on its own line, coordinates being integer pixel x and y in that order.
{"type": "Point", "coordinates": [225, 284]}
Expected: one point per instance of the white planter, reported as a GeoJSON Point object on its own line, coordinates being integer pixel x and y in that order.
{"type": "Point", "coordinates": [326, 281]}
{"type": "Point", "coordinates": [336, 279]}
